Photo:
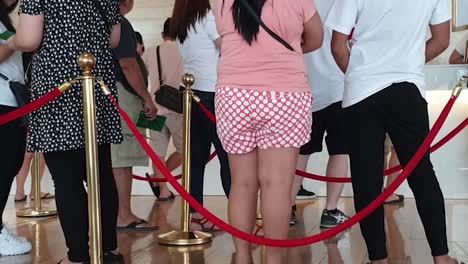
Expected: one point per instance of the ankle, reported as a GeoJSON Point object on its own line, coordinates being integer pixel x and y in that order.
{"type": "Point", "coordinates": [445, 259]}
{"type": "Point", "coordinates": [382, 261]}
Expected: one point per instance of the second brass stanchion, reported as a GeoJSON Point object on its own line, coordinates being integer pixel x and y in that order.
{"type": "Point", "coordinates": [36, 210]}
{"type": "Point", "coordinates": [186, 237]}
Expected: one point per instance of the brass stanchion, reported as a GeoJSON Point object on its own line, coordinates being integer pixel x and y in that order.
{"type": "Point", "coordinates": [36, 210]}
{"type": "Point", "coordinates": [87, 63]}
{"type": "Point", "coordinates": [186, 237]}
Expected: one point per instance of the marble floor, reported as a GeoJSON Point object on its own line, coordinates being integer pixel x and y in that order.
{"type": "Point", "coordinates": [406, 240]}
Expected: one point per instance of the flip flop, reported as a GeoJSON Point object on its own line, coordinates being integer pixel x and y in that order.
{"type": "Point", "coordinates": [45, 196]}
{"type": "Point", "coordinates": [22, 199]}
{"type": "Point", "coordinates": [400, 200]}
{"type": "Point", "coordinates": [134, 226]}
{"type": "Point", "coordinates": [155, 189]}
{"type": "Point", "coordinates": [166, 199]}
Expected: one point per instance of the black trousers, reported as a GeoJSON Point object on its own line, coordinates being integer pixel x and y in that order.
{"type": "Point", "coordinates": [12, 147]}
{"type": "Point", "coordinates": [401, 111]}
{"type": "Point", "coordinates": [68, 169]}
{"type": "Point", "coordinates": [203, 135]}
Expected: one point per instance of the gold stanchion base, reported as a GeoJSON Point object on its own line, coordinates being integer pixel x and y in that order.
{"type": "Point", "coordinates": [180, 238]}
{"type": "Point", "coordinates": [30, 212]}
{"type": "Point", "coordinates": [259, 215]}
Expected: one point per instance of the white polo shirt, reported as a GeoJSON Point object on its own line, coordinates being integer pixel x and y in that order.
{"type": "Point", "coordinates": [200, 55]}
{"type": "Point", "coordinates": [389, 42]}
{"type": "Point", "coordinates": [325, 77]}
{"type": "Point", "coordinates": [13, 69]}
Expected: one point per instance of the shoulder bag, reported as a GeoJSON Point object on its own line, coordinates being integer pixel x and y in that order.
{"type": "Point", "coordinates": [168, 96]}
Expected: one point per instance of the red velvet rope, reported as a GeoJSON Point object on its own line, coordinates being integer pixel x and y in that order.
{"type": "Point", "coordinates": [31, 107]}
{"type": "Point", "coordinates": [348, 179]}
{"type": "Point", "coordinates": [295, 242]}
{"type": "Point", "coordinates": [178, 177]}
{"type": "Point", "coordinates": [434, 148]}
{"type": "Point", "coordinates": [207, 112]}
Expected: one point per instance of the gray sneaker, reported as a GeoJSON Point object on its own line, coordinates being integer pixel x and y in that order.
{"type": "Point", "coordinates": [330, 219]}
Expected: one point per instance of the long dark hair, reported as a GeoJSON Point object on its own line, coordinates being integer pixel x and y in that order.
{"type": "Point", "coordinates": [243, 21]}
{"type": "Point", "coordinates": [5, 15]}
{"type": "Point", "coordinates": [186, 13]}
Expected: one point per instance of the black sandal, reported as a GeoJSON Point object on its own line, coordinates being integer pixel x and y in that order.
{"type": "Point", "coordinates": [134, 226]}
{"type": "Point", "coordinates": [166, 199]}
{"type": "Point", "coordinates": [400, 200]}
{"type": "Point", "coordinates": [155, 189]}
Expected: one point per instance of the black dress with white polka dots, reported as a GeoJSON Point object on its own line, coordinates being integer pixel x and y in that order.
{"type": "Point", "coordinates": [71, 27]}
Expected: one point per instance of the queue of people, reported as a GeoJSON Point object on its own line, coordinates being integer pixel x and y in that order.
{"type": "Point", "coordinates": [278, 76]}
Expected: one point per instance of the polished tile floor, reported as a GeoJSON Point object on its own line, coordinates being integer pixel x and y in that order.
{"type": "Point", "coordinates": [406, 240]}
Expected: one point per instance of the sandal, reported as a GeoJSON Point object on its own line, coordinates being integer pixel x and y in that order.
{"type": "Point", "coordinates": [21, 200]}
{"type": "Point", "coordinates": [202, 221]}
{"type": "Point", "coordinates": [155, 189]}
{"type": "Point", "coordinates": [400, 200]}
{"type": "Point", "coordinates": [44, 196]}
{"type": "Point", "coordinates": [166, 199]}
{"type": "Point", "coordinates": [134, 226]}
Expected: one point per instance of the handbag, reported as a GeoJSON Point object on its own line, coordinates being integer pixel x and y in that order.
{"type": "Point", "coordinates": [168, 96]}
{"type": "Point", "coordinates": [22, 93]}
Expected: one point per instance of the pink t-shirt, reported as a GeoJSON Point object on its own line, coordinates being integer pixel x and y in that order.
{"type": "Point", "coordinates": [266, 64]}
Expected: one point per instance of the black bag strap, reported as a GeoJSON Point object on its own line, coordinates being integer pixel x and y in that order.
{"type": "Point", "coordinates": [260, 22]}
{"type": "Point", "coordinates": [158, 56]}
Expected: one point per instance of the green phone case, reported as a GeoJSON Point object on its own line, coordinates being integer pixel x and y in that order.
{"type": "Point", "coordinates": [156, 124]}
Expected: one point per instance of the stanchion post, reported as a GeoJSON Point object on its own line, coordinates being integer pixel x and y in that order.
{"type": "Point", "coordinates": [185, 237]}
{"type": "Point", "coordinates": [87, 63]}
{"type": "Point", "coordinates": [36, 210]}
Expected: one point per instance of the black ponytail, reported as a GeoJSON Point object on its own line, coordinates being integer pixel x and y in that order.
{"type": "Point", "coordinates": [245, 23]}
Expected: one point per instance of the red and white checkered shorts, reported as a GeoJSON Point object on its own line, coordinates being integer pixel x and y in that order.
{"type": "Point", "coordinates": [247, 119]}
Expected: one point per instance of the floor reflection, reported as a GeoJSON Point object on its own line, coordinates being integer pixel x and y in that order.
{"type": "Point", "coordinates": [406, 240]}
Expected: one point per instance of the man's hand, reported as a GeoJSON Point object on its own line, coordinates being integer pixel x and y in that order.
{"type": "Point", "coordinates": [150, 109]}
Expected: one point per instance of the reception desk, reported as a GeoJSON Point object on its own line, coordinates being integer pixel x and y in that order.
{"type": "Point", "coordinates": [450, 162]}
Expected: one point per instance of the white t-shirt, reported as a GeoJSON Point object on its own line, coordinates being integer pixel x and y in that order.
{"type": "Point", "coordinates": [389, 42]}
{"type": "Point", "coordinates": [325, 77]}
{"type": "Point", "coordinates": [461, 46]}
{"type": "Point", "coordinates": [200, 55]}
{"type": "Point", "coordinates": [13, 69]}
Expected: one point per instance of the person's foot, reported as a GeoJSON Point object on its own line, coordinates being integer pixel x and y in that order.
{"type": "Point", "coordinates": [332, 218]}
{"type": "Point", "coordinates": [113, 258]}
{"type": "Point", "coordinates": [446, 260]}
{"type": "Point", "coordinates": [11, 244]}
{"type": "Point", "coordinates": [304, 194]}
{"type": "Point", "coordinates": [20, 198]}
{"type": "Point", "coordinates": [395, 199]}
{"type": "Point", "coordinates": [134, 223]}
{"type": "Point", "coordinates": [200, 223]}
{"type": "Point", "coordinates": [293, 216]}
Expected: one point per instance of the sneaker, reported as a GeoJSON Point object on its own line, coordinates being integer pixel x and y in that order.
{"type": "Point", "coordinates": [330, 219]}
{"type": "Point", "coordinates": [304, 194]}
{"type": "Point", "coordinates": [11, 244]}
{"type": "Point", "coordinates": [293, 216]}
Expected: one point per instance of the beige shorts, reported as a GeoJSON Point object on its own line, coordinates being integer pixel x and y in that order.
{"type": "Point", "coordinates": [388, 145]}
{"type": "Point", "coordinates": [129, 153]}
{"type": "Point", "coordinates": [172, 128]}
